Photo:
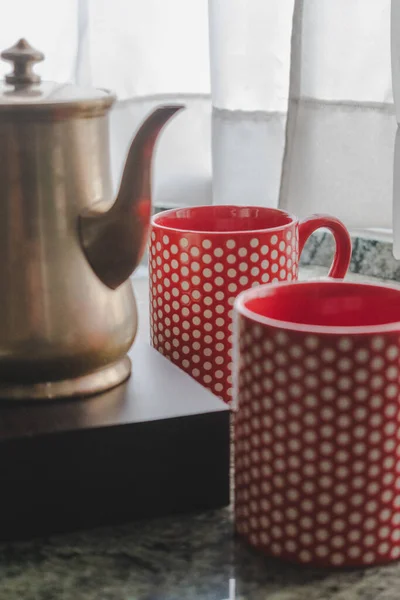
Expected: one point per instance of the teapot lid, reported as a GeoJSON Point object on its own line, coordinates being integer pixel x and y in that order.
{"type": "Point", "coordinates": [23, 91]}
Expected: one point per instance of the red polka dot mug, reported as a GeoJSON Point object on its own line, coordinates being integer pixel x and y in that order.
{"type": "Point", "coordinates": [201, 258]}
{"type": "Point", "coordinates": [317, 452]}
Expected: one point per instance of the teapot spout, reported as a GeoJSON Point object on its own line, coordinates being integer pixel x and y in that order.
{"type": "Point", "coordinates": [114, 241]}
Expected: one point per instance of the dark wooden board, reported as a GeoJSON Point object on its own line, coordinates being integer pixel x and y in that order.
{"type": "Point", "coordinates": [156, 445]}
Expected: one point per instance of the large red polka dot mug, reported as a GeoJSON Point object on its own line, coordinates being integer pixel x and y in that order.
{"type": "Point", "coordinates": [201, 258]}
{"type": "Point", "coordinates": [317, 452]}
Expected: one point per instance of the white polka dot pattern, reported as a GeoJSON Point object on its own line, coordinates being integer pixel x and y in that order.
{"type": "Point", "coordinates": [317, 457]}
{"type": "Point", "coordinates": [194, 279]}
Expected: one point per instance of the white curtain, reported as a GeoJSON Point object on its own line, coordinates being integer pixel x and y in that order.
{"type": "Point", "coordinates": [289, 101]}
{"type": "Point", "coordinates": [148, 52]}
{"type": "Point", "coordinates": [341, 126]}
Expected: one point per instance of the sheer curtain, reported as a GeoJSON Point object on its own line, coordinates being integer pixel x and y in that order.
{"type": "Point", "coordinates": [148, 52]}
{"type": "Point", "coordinates": [303, 111]}
{"type": "Point", "coordinates": [289, 101]}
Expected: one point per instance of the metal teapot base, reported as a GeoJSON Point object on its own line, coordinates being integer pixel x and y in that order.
{"type": "Point", "coordinates": [86, 385]}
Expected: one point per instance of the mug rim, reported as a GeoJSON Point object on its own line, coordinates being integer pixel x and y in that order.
{"type": "Point", "coordinates": [171, 211]}
{"type": "Point", "coordinates": [262, 290]}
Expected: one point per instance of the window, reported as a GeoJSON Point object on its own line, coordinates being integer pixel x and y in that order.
{"type": "Point", "coordinates": [289, 102]}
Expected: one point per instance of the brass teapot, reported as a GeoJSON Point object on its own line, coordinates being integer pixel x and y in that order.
{"type": "Point", "coordinates": [67, 248]}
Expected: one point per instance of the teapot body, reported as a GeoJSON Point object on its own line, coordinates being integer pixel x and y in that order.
{"type": "Point", "coordinates": [67, 247]}
{"type": "Point", "coordinates": [63, 331]}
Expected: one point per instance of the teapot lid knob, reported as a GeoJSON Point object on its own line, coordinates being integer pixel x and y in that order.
{"type": "Point", "coordinates": [23, 57]}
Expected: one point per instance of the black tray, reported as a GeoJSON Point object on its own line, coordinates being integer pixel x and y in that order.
{"type": "Point", "coordinates": [156, 445]}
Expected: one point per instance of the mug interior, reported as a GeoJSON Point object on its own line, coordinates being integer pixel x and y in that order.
{"type": "Point", "coordinates": [325, 304]}
{"type": "Point", "coordinates": [222, 219]}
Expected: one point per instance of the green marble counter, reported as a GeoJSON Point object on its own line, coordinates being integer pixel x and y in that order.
{"type": "Point", "coordinates": [183, 558]}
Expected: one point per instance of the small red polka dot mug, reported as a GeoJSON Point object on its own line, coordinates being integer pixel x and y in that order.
{"type": "Point", "coordinates": [201, 258]}
{"type": "Point", "coordinates": [317, 452]}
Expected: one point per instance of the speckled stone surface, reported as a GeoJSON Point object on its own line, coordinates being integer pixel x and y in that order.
{"type": "Point", "coordinates": [370, 257]}
{"type": "Point", "coordinates": [192, 557]}
{"type": "Point", "coordinates": [316, 272]}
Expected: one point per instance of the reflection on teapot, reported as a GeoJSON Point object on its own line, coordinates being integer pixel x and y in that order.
{"type": "Point", "coordinates": [67, 311]}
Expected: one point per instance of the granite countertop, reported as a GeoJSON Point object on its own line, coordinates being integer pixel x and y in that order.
{"type": "Point", "coordinates": [193, 557]}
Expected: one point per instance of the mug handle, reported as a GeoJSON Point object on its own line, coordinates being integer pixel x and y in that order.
{"type": "Point", "coordinates": [342, 257]}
